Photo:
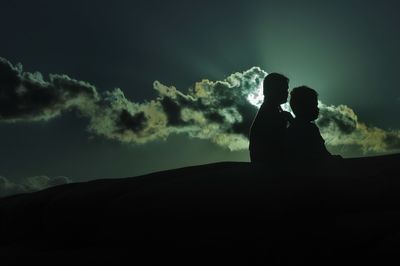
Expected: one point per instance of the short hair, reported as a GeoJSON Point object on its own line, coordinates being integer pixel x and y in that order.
{"type": "Point", "coordinates": [300, 97]}
{"type": "Point", "coordinates": [274, 81]}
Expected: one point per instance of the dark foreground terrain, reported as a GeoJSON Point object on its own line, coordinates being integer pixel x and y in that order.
{"type": "Point", "coordinates": [217, 214]}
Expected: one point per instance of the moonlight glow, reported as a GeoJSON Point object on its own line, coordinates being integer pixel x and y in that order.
{"type": "Point", "coordinates": [257, 99]}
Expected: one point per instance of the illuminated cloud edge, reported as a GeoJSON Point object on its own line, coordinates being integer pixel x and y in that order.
{"type": "Point", "coordinates": [218, 111]}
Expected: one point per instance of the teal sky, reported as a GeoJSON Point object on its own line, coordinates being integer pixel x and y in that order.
{"type": "Point", "coordinates": [346, 50]}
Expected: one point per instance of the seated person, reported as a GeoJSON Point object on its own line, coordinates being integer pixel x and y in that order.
{"type": "Point", "coordinates": [305, 146]}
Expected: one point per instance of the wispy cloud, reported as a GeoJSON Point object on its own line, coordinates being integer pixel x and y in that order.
{"type": "Point", "coordinates": [340, 126]}
{"type": "Point", "coordinates": [219, 111]}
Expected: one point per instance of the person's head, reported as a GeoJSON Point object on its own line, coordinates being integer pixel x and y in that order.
{"type": "Point", "coordinates": [275, 88]}
{"type": "Point", "coordinates": [304, 103]}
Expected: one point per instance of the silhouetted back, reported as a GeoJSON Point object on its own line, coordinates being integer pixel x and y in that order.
{"type": "Point", "coordinates": [305, 142]}
{"type": "Point", "coordinates": [267, 134]}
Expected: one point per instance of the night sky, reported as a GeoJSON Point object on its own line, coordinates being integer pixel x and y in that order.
{"type": "Point", "coordinates": [132, 87]}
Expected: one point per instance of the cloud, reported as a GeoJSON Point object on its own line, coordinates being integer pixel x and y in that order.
{"type": "Point", "coordinates": [340, 126]}
{"type": "Point", "coordinates": [219, 111]}
{"type": "Point", "coordinates": [30, 184]}
{"type": "Point", "coordinates": [27, 96]}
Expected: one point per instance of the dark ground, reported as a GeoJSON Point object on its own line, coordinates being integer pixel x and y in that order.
{"type": "Point", "coordinates": [217, 214]}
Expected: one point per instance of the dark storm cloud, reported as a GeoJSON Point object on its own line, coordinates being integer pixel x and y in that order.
{"type": "Point", "coordinates": [26, 96]}
{"type": "Point", "coordinates": [30, 184]}
{"type": "Point", "coordinates": [219, 111]}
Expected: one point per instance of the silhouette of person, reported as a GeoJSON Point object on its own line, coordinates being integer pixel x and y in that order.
{"type": "Point", "coordinates": [268, 131]}
{"type": "Point", "coordinates": [305, 146]}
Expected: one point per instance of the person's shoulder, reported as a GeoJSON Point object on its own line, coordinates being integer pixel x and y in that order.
{"type": "Point", "coordinates": [267, 108]}
{"type": "Point", "coordinates": [313, 127]}
{"type": "Point", "coordinates": [306, 127]}
{"type": "Point", "coordinates": [310, 128]}
{"type": "Point", "coordinates": [266, 112]}
{"type": "Point", "coordinates": [287, 116]}
{"type": "Point", "coordinates": [296, 123]}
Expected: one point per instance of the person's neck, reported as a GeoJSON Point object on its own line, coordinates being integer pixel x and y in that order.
{"type": "Point", "coordinates": [272, 104]}
{"type": "Point", "coordinates": [303, 120]}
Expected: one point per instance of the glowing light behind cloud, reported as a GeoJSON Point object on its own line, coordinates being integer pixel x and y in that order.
{"type": "Point", "coordinates": [256, 98]}
{"type": "Point", "coordinates": [220, 111]}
